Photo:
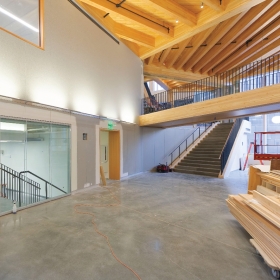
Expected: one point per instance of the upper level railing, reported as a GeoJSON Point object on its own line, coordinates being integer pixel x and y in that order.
{"type": "Point", "coordinates": [255, 75]}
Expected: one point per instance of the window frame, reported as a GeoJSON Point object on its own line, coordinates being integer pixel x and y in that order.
{"type": "Point", "coordinates": [41, 29]}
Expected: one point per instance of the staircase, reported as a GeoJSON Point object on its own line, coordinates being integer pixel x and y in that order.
{"type": "Point", "coordinates": [204, 158]}
{"type": "Point", "coordinates": [16, 186]}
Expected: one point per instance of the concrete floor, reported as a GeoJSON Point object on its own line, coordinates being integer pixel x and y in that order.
{"type": "Point", "coordinates": [168, 226]}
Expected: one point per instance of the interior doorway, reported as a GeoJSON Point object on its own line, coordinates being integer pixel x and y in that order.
{"type": "Point", "coordinates": [110, 153]}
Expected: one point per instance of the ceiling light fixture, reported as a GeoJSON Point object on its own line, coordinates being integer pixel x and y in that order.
{"type": "Point", "coordinates": [276, 119]}
{"type": "Point", "coordinates": [12, 126]}
{"type": "Point", "coordinates": [19, 20]}
{"type": "Point", "coordinates": [177, 21]}
{"type": "Point", "coordinates": [202, 5]}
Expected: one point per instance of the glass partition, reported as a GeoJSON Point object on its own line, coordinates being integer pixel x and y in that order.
{"type": "Point", "coordinates": [34, 160]}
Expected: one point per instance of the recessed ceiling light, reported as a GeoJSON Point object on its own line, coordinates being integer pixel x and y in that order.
{"type": "Point", "coordinates": [177, 21]}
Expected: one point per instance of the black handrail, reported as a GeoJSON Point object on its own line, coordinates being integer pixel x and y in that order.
{"type": "Point", "coordinates": [230, 141]}
{"type": "Point", "coordinates": [206, 127]}
{"type": "Point", "coordinates": [10, 180]}
{"type": "Point", "coordinates": [46, 184]}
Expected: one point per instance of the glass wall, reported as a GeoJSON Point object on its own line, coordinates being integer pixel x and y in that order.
{"type": "Point", "coordinates": [267, 123]}
{"type": "Point", "coordinates": [35, 161]}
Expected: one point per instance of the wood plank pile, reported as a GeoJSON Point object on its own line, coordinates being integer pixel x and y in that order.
{"type": "Point", "coordinates": [259, 214]}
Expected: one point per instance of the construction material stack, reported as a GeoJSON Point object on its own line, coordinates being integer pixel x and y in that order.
{"type": "Point", "coordinates": [259, 213]}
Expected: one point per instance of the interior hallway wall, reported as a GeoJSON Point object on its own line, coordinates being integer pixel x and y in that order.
{"type": "Point", "coordinates": [158, 143]}
{"type": "Point", "coordinates": [81, 68]}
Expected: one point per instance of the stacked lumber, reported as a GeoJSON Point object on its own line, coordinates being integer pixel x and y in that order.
{"type": "Point", "coordinates": [259, 214]}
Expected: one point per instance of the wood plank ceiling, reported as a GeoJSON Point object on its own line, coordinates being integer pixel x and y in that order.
{"type": "Point", "coordinates": [181, 41]}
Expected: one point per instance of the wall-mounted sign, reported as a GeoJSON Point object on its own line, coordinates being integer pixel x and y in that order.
{"type": "Point", "coordinates": [111, 125]}
{"type": "Point", "coordinates": [84, 136]}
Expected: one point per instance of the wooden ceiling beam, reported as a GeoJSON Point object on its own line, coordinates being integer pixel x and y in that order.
{"type": "Point", "coordinates": [134, 35]}
{"type": "Point", "coordinates": [150, 59]}
{"type": "Point", "coordinates": [214, 5]}
{"type": "Point", "coordinates": [196, 43]}
{"type": "Point", "coordinates": [251, 30]}
{"type": "Point", "coordinates": [272, 32]}
{"type": "Point", "coordinates": [171, 74]}
{"type": "Point", "coordinates": [250, 17]}
{"type": "Point", "coordinates": [206, 19]}
{"type": "Point", "coordinates": [273, 48]}
{"type": "Point", "coordinates": [176, 53]}
{"type": "Point", "coordinates": [121, 31]}
{"type": "Point", "coordinates": [254, 54]}
{"type": "Point", "coordinates": [164, 85]}
{"type": "Point", "coordinates": [196, 62]}
{"type": "Point", "coordinates": [164, 55]}
{"type": "Point", "coordinates": [132, 14]}
{"type": "Point", "coordinates": [176, 10]}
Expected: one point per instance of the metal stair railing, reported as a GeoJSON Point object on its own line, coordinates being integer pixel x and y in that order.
{"type": "Point", "coordinates": [184, 145]}
{"type": "Point", "coordinates": [10, 186]}
{"type": "Point", "coordinates": [18, 187]}
{"type": "Point", "coordinates": [46, 185]}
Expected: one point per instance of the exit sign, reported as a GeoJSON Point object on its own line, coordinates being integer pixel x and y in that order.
{"type": "Point", "coordinates": [110, 125]}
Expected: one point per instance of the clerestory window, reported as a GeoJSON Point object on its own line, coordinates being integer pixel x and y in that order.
{"type": "Point", "coordinates": [23, 18]}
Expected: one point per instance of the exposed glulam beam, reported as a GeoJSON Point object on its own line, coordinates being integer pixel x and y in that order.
{"type": "Point", "coordinates": [176, 53]}
{"type": "Point", "coordinates": [273, 47]}
{"type": "Point", "coordinates": [215, 5]}
{"type": "Point", "coordinates": [196, 62]}
{"type": "Point", "coordinates": [134, 15]}
{"type": "Point", "coordinates": [176, 10]}
{"type": "Point", "coordinates": [171, 74]}
{"type": "Point", "coordinates": [121, 31]}
{"type": "Point", "coordinates": [251, 30]}
{"type": "Point", "coordinates": [107, 21]}
{"type": "Point", "coordinates": [150, 59]}
{"type": "Point", "coordinates": [206, 19]}
{"type": "Point", "coordinates": [250, 17]}
{"type": "Point", "coordinates": [164, 55]}
{"type": "Point", "coordinates": [196, 42]}
{"type": "Point", "coordinates": [272, 32]}
{"type": "Point", "coordinates": [164, 85]}
{"type": "Point", "coordinates": [134, 35]}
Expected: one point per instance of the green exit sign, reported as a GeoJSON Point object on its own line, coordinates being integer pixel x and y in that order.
{"type": "Point", "coordinates": [110, 125]}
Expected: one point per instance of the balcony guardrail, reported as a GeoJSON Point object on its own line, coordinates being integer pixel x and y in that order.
{"type": "Point", "coordinates": [255, 75]}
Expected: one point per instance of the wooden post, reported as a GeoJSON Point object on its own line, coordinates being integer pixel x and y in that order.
{"type": "Point", "coordinates": [102, 176]}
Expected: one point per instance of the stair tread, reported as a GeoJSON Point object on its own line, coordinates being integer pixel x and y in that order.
{"type": "Point", "coordinates": [204, 158]}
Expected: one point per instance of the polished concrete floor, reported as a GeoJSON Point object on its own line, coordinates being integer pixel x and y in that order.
{"type": "Point", "coordinates": [168, 226]}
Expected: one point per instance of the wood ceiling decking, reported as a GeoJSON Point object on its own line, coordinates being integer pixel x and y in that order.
{"type": "Point", "coordinates": [180, 42]}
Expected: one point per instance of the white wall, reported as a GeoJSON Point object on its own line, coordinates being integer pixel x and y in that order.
{"type": "Point", "coordinates": [81, 67]}
{"type": "Point", "coordinates": [158, 143]}
{"type": "Point", "coordinates": [239, 149]}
